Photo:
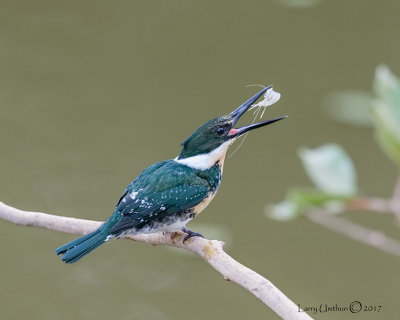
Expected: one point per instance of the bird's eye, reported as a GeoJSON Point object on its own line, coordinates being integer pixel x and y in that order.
{"type": "Point", "coordinates": [220, 131]}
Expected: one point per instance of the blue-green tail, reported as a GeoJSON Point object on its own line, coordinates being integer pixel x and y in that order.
{"type": "Point", "coordinates": [77, 249]}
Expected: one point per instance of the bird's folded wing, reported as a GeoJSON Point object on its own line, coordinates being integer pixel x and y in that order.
{"type": "Point", "coordinates": [139, 208]}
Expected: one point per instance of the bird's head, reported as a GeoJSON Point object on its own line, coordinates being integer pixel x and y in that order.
{"type": "Point", "coordinates": [211, 141]}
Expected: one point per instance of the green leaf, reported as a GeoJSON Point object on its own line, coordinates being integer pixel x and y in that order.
{"type": "Point", "coordinates": [298, 200]}
{"type": "Point", "coordinates": [386, 112]}
{"type": "Point", "coordinates": [305, 198]}
{"type": "Point", "coordinates": [330, 169]}
{"type": "Point", "coordinates": [350, 107]}
{"type": "Point", "coordinates": [387, 88]}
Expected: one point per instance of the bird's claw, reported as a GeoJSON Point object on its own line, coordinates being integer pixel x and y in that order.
{"type": "Point", "coordinates": [190, 234]}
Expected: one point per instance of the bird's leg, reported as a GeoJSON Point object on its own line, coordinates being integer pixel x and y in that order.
{"type": "Point", "coordinates": [190, 234]}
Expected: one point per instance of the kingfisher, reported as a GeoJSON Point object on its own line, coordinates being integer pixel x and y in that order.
{"type": "Point", "coordinates": [168, 194]}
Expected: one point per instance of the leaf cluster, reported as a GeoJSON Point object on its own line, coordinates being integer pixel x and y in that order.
{"type": "Point", "coordinates": [329, 167]}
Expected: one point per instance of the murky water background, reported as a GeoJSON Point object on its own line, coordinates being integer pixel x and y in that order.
{"type": "Point", "coordinates": [93, 92]}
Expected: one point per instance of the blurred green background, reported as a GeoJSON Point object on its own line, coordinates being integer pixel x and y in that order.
{"type": "Point", "coordinates": [92, 92]}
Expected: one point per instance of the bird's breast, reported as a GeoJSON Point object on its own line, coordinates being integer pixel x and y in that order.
{"type": "Point", "coordinates": [203, 204]}
{"type": "Point", "coordinates": [214, 179]}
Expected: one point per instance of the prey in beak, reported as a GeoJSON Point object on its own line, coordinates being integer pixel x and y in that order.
{"type": "Point", "coordinates": [236, 114]}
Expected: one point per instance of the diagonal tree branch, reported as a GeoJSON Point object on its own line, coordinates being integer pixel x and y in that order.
{"type": "Point", "coordinates": [210, 250]}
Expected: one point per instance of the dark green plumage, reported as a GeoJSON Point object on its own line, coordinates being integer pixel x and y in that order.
{"type": "Point", "coordinates": [204, 139]}
{"type": "Point", "coordinates": [160, 196]}
{"type": "Point", "coordinates": [163, 190]}
{"type": "Point", "coordinates": [168, 194]}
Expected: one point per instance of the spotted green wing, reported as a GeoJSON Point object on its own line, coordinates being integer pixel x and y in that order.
{"type": "Point", "coordinates": [171, 191]}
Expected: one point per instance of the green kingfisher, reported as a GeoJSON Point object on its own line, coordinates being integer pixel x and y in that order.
{"type": "Point", "coordinates": [168, 194]}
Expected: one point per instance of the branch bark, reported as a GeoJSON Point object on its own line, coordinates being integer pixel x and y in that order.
{"type": "Point", "coordinates": [210, 250]}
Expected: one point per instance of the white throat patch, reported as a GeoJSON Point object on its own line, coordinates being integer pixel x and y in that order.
{"type": "Point", "coordinates": [206, 161]}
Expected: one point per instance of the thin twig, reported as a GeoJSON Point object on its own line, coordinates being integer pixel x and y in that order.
{"type": "Point", "coordinates": [370, 237]}
{"type": "Point", "coordinates": [210, 250]}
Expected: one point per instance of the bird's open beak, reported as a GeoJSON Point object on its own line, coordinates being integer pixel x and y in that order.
{"type": "Point", "coordinates": [236, 132]}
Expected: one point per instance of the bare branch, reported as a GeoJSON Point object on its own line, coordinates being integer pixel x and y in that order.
{"type": "Point", "coordinates": [370, 237]}
{"type": "Point", "coordinates": [210, 250]}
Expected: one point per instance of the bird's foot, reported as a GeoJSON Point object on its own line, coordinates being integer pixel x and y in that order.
{"type": "Point", "coordinates": [190, 234]}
